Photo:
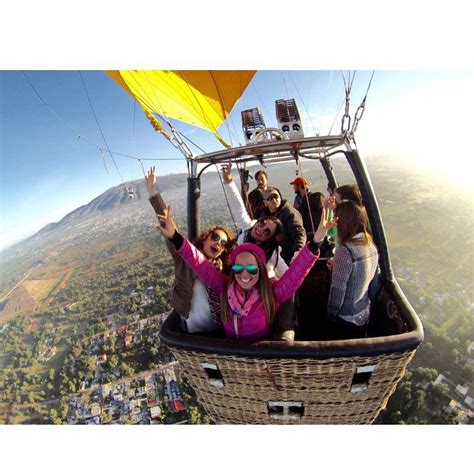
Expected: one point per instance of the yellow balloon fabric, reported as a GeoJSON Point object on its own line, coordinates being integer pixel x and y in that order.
{"type": "Point", "coordinates": [200, 98]}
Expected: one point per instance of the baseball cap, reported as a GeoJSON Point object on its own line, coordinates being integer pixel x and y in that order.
{"type": "Point", "coordinates": [300, 181]}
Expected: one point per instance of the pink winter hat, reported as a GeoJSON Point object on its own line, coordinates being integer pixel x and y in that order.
{"type": "Point", "coordinates": [247, 248]}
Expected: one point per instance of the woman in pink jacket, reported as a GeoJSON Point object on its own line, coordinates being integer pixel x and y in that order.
{"type": "Point", "coordinates": [249, 298]}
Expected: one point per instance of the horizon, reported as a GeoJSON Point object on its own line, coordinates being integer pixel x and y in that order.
{"type": "Point", "coordinates": [65, 173]}
{"type": "Point", "coordinates": [400, 161]}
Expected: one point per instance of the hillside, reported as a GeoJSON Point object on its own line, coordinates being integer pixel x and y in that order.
{"type": "Point", "coordinates": [97, 256]}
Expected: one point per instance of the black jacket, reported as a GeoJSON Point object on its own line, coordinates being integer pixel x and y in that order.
{"type": "Point", "coordinates": [295, 235]}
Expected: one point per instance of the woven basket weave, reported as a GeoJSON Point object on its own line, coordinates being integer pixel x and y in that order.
{"type": "Point", "coordinates": [303, 382]}
{"type": "Point", "coordinates": [323, 386]}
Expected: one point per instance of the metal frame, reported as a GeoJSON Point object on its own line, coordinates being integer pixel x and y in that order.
{"type": "Point", "coordinates": [310, 148]}
{"type": "Point", "coordinates": [313, 148]}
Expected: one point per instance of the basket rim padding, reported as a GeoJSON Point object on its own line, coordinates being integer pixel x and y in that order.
{"type": "Point", "coordinates": [171, 334]}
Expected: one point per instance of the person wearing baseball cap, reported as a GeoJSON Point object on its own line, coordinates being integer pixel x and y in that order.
{"type": "Point", "coordinates": [308, 204]}
{"type": "Point", "coordinates": [250, 299]}
{"type": "Point", "coordinates": [295, 235]}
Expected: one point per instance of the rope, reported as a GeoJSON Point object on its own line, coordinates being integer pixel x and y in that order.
{"type": "Point", "coordinates": [143, 168]}
{"type": "Point", "coordinates": [306, 196]}
{"type": "Point", "coordinates": [222, 108]}
{"type": "Point", "coordinates": [100, 129]}
{"type": "Point", "coordinates": [286, 85]}
{"type": "Point", "coordinates": [80, 137]}
{"type": "Point", "coordinates": [325, 103]}
{"type": "Point", "coordinates": [133, 131]}
{"type": "Point", "coordinates": [226, 198]}
{"type": "Point", "coordinates": [337, 113]}
{"type": "Point", "coordinates": [260, 99]}
{"type": "Point", "coordinates": [190, 141]}
{"type": "Point", "coordinates": [304, 105]}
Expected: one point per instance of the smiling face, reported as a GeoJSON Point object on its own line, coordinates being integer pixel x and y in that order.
{"type": "Point", "coordinates": [245, 280]}
{"type": "Point", "coordinates": [263, 230]}
{"type": "Point", "coordinates": [214, 244]}
{"type": "Point", "coordinates": [272, 201]}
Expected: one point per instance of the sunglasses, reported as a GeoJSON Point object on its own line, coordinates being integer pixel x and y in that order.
{"type": "Point", "coordinates": [272, 197]}
{"type": "Point", "coordinates": [252, 269]}
{"type": "Point", "coordinates": [266, 232]}
{"type": "Point", "coordinates": [217, 238]}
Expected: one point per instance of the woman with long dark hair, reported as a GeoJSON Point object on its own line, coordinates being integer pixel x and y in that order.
{"type": "Point", "coordinates": [198, 305]}
{"type": "Point", "coordinates": [249, 298]}
{"type": "Point", "coordinates": [353, 268]}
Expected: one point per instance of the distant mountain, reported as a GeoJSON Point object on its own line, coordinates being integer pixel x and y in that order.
{"type": "Point", "coordinates": [113, 198]}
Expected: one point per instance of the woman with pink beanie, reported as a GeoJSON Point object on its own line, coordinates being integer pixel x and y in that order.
{"type": "Point", "coordinates": [249, 297]}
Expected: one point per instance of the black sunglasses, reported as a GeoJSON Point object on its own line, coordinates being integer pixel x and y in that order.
{"type": "Point", "coordinates": [215, 237]}
{"type": "Point", "coordinates": [266, 232]}
{"type": "Point", "coordinates": [272, 197]}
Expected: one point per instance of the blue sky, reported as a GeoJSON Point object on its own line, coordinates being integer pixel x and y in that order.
{"type": "Point", "coordinates": [46, 171]}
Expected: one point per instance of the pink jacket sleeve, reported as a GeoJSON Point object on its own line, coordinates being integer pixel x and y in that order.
{"type": "Point", "coordinates": [292, 279]}
{"type": "Point", "coordinates": [204, 270]}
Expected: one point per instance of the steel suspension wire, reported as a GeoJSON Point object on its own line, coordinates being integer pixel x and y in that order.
{"type": "Point", "coordinates": [304, 104]}
{"type": "Point", "coordinates": [325, 103]}
{"type": "Point", "coordinates": [300, 168]}
{"type": "Point", "coordinates": [147, 101]}
{"type": "Point", "coordinates": [133, 131]}
{"type": "Point", "coordinates": [286, 85]}
{"type": "Point", "coordinates": [103, 136]}
{"type": "Point", "coordinates": [83, 138]}
{"type": "Point", "coordinates": [46, 105]}
{"type": "Point", "coordinates": [360, 110]}
{"type": "Point", "coordinates": [337, 113]}
{"type": "Point", "coordinates": [260, 99]}
{"type": "Point", "coordinates": [226, 198]}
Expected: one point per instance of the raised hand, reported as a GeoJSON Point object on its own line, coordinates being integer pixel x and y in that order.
{"type": "Point", "coordinates": [226, 172]}
{"type": "Point", "coordinates": [150, 181]}
{"type": "Point", "coordinates": [324, 225]}
{"type": "Point", "coordinates": [167, 225]}
{"type": "Point", "coordinates": [329, 203]}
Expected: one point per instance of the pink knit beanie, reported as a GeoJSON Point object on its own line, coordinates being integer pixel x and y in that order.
{"type": "Point", "coordinates": [247, 248]}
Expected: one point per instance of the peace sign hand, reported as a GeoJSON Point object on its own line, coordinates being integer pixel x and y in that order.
{"type": "Point", "coordinates": [150, 181]}
{"type": "Point", "coordinates": [167, 225]}
{"type": "Point", "coordinates": [329, 203]}
{"type": "Point", "coordinates": [324, 225]}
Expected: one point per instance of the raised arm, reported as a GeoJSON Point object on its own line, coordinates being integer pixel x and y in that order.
{"type": "Point", "coordinates": [236, 204]}
{"type": "Point", "coordinates": [204, 270]}
{"type": "Point", "coordinates": [292, 279]}
{"type": "Point", "coordinates": [154, 196]}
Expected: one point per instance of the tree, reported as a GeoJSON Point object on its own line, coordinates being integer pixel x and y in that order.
{"type": "Point", "coordinates": [113, 362]}
{"type": "Point", "coordinates": [54, 417]}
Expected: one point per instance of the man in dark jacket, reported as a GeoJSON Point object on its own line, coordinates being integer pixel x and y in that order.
{"type": "Point", "coordinates": [312, 214]}
{"type": "Point", "coordinates": [255, 197]}
{"type": "Point", "coordinates": [295, 235]}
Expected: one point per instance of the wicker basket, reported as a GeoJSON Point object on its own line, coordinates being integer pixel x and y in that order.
{"type": "Point", "coordinates": [303, 382]}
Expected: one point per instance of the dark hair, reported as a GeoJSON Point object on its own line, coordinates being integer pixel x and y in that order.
{"type": "Point", "coordinates": [272, 189]}
{"type": "Point", "coordinates": [258, 173]}
{"type": "Point", "coordinates": [350, 192]}
{"type": "Point", "coordinates": [352, 219]}
{"type": "Point", "coordinates": [264, 288]}
{"type": "Point", "coordinates": [273, 242]}
{"type": "Point", "coordinates": [222, 262]}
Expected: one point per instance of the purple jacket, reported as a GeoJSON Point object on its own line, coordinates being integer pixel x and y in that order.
{"type": "Point", "coordinates": [254, 326]}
